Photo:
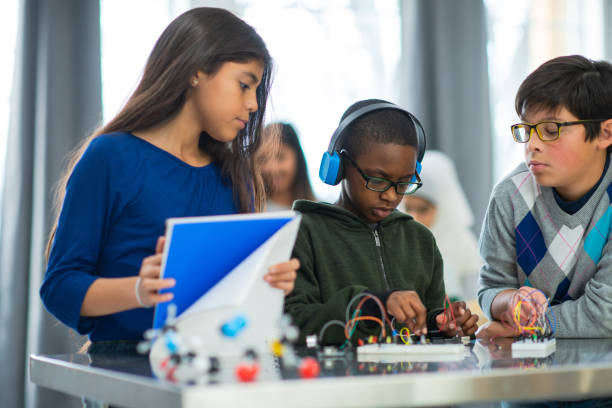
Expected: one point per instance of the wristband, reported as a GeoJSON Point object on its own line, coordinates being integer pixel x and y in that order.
{"type": "Point", "coordinates": [137, 294]}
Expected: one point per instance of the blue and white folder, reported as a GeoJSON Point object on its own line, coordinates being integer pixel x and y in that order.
{"type": "Point", "coordinates": [218, 263]}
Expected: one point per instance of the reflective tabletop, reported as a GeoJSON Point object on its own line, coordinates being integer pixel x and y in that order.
{"type": "Point", "coordinates": [578, 369]}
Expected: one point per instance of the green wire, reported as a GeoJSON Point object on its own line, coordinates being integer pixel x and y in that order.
{"type": "Point", "coordinates": [352, 331]}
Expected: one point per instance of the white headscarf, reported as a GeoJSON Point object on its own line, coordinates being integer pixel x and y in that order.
{"type": "Point", "coordinates": [451, 227]}
{"type": "Point", "coordinates": [442, 188]}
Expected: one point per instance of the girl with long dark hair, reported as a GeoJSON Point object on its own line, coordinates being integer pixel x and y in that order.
{"type": "Point", "coordinates": [283, 167]}
{"type": "Point", "coordinates": [182, 145]}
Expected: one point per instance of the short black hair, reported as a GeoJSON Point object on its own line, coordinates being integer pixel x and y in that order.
{"type": "Point", "coordinates": [380, 126]}
{"type": "Point", "coordinates": [581, 85]}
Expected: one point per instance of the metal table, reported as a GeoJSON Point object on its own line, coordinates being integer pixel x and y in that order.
{"type": "Point", "coordinates": [579, 369]}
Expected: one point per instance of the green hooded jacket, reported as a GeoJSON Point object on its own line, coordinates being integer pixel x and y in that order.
{"type": "Point", "coordinates": [341, 256]}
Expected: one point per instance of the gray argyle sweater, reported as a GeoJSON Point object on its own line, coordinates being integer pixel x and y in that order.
{"type": "Point", "coordinates": [527, 240]}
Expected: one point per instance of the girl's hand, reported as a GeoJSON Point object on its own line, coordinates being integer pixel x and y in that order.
{"type": "Point", "coordinates": [282, 275]}
{"type": "Point", "coordinates": [464, 323]}
{"type": "Point", "coordinates": [406, 307]}
{"type": "Point", "coordinates": [148, 284]}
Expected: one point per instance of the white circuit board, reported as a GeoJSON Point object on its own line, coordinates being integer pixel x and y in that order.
{"type": "Point", "coordinates": [391, 353]}
{"type": "Point", "coordinates": [527, 348]}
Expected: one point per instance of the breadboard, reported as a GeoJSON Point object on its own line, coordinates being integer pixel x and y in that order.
{"type": "Point", "coordinates": [392, 353]}
{"type": "Point", "coordinates": [528, 348]}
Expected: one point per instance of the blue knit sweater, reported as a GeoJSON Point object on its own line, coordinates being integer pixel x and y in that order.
{"type": "Point", "coordinates": [117, 200]}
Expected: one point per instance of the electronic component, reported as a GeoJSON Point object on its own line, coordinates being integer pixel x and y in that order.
{"type": "Point", "coordinates": [391, 353]}
{"type": "Point", "coordinates": [309, 368]}
{"type": "Point", "coordinates": [311, 341]}
{"type": "Point", "coordinates": [529, 347]}
{"type": "Point", "coordinates": [234, 326]}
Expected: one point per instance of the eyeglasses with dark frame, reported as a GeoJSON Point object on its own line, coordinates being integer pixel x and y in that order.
{"type": "Point", "coordinates": [547, 130]}
{"type": "Point", "coordinates": [381, 185]}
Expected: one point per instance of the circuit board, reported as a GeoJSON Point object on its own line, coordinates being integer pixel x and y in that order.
{"type": "Point", "coordinates": [526, 348]}
{"type": "Point", "coordinates": [391, 353]}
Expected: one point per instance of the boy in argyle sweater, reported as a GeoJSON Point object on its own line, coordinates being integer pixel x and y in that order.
{"type": "Point", "coordinates": [549, 221]}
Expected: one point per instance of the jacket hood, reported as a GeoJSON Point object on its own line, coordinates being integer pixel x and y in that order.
{"type": "Point", "coordinates": [345, 216]}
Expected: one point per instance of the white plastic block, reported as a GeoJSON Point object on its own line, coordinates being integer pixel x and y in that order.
{"type": "Point", "coordinates": [391, 353]}
{"type": "Point", "coordinates": [528, 348]}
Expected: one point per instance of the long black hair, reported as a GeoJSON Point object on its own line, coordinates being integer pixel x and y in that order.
{"type": "Point", "coordinates": [201, 39]}
{"type": "Point", "coordinates": [286, 135]}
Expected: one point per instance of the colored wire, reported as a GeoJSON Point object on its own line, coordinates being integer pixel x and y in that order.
{"type": "Point", "coordinates": [376, 319]}
{"type": "Point", "coordinates": [450, 308]}
{"type": "Point", "coordinates": [529, 308]}
{"type": "Point", "coordinates": [554, 327]}
{"type": "Point", "coordinates": [356, 314]}
{"type": "Point", "coordinates": [365, 297]}
{"type": "Point", "coordinates": [326, 325]}
{"type": "Point", "coordinates": [407, 335]}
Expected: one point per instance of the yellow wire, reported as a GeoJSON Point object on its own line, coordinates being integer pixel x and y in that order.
{"type": "Point", "coordinates": [402, 337]}
{"type": "Point", "coordinates": [517, 314]}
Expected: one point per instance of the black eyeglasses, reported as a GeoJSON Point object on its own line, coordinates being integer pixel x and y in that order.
{"type": "Point", "coordinates": [547, 131]}
{"type": "Point", "coordinates": [381, 185]}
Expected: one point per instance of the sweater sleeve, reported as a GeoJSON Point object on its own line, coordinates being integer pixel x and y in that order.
{"type": "Point", "coordinates": [591, 314]}
{"type": "Point", "coordinates": [83, 223]}
{"type": "Point", "coordinates": [304, 303]}
{"type": "Point", "coordinates": [497, 249]}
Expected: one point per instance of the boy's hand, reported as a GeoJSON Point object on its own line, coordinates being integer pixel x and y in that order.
{"type": "Point", "coordinates": [407, 308]}
{"type": "Point", "coordinates": [494, 329]}
{"type": "Point", "coordinates": [282, 275]}
{"type": "Point", "coordinates": [534, 304]}
{"type": "Point", "coordinates": [464, 323]}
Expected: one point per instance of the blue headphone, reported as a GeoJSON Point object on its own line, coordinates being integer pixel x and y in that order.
{"type": "Point", "coordinates": [332, 169]}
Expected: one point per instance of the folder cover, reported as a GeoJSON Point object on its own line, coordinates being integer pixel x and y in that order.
{"type": "Point", "coordinates": [201, 252]}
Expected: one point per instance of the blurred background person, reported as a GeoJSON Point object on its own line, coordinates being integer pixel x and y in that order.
{"type": "Point", "coordinates": [283, 167]}
{"type": "Point", "coordinates": [441, 205]}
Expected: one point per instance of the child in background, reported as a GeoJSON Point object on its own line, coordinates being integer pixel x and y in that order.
{"type": "Point", "coordinates": [361, 244]}
{"type": "Point", "coordinates": [283, 167]}
{"type": "Point", "coordinates": [181, 146]}
{"type": "Point", "coordinates": [440, 204]}
{"type": "Point", "coordinates": [548, 222]}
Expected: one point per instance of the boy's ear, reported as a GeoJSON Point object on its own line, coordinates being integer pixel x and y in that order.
{"type": "Point", "coordinates": [605, 135]}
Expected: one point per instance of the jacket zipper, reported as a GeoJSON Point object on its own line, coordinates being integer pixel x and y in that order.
{"type": "Point", "coordinates": [380, 259]}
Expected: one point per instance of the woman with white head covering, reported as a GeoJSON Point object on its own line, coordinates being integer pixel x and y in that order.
{"type": "Point", "coordinates": [441, 205]}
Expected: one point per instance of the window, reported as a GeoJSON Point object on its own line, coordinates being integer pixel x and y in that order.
{"type": "Point", "coordinates": [522, 35]}
{"type": "Point", "coordinates": [327, 56]}
{"type": "Point", "coordinates": [8, 32]}
{"type": "Point", "coordinates": [330, 54]}
{"type": "Point", "coordinates": [128, 31]}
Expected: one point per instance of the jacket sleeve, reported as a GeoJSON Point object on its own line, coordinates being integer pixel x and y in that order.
{"type": "Point", "coordinates": [83, 223]}
{"type": "Point", "coordinates": [304, 303]}
{"type": "Point", "coordinates": [497, 248]}
{"type": "Point", "coordinates": [434, 298]}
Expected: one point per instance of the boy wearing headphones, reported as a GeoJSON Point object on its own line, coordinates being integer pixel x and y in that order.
{"type": "Point", "coordinates": [362, 244]}
{"type": "Point", "coordinates": [549, 221]}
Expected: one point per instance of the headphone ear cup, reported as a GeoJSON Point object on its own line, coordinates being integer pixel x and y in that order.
{"type": "Point", "coordinates": [331, 169]}
{"type": "Point", "coordinates": [418, 171]}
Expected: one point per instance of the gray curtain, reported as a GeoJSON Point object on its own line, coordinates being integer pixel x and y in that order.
{"type": "Point", "coordinates": [444, 81]}
{"type": "Point", "coordinates": [607, 6]}
{"type": "Point", "coordinates": [56, 101]}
